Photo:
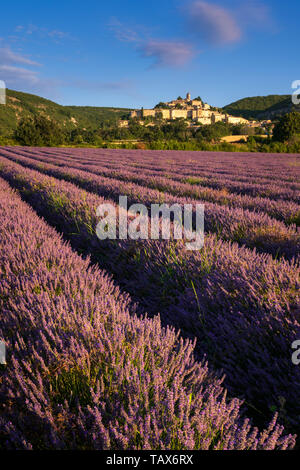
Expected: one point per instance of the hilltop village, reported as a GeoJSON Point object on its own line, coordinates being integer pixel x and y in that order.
{"type": "Point", "coordinates": [192, 110]}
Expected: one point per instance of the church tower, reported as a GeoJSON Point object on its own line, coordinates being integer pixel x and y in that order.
{"type": "Point", "coordinates": [188, 97]}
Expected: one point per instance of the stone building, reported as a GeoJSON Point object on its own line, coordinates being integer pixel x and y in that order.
{"type": "Point", "coordinates": [188, 109]}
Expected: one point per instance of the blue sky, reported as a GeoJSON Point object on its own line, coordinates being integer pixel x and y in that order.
{"type": "Point", "coordinates": [133, 53]}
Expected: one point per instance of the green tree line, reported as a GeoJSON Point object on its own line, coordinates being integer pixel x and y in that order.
{"type": "Point", "coordinates": [42, 131]}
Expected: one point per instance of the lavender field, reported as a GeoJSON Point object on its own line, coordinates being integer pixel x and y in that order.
{"type": "Point", "coordinates": [142, 344]}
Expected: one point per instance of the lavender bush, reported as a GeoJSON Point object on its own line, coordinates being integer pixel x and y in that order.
{"type": "Point", "coordinates": [191, 187]}
{"type": "Point", "coordinates": [260, 172]}
{"type": "Point", "coordinates": [242, 306]}
{"type": "Point", "coordinates": [84, 372]}
{"type": "Point", "coordinates": [245, 227]}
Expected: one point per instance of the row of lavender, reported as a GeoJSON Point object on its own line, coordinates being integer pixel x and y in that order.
{"type": "Point", "coordinates": [286, 211]}
{"type": "Point", "coordinates": [84, 372]}
{"type": "Point", "coordinates": [251, 172]}
{"type": "Point", "coordinates": [255, 230]}
{"type": "Point", "coordinates": [236, 165]}
{"type": "Point", "coordinates": [241, 306]}
{"type": "Point", "coordinates": [255, 185]}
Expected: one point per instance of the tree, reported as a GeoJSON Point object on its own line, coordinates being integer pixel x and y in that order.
{"type": "Point", "coordinates": [213, 132]}
{"type": "Point", "coordinates": [247, 130]}
{"type": "Point", "coordinates": [287, 127]}
{"type": "Point", "coordinates": [38, 131]}
{"type": "Point", "coordinates": [236, 129]}
{"type": "Point", "coordinates": [161, 105]}
{"type": "Point", "coordinates": [260, 131]}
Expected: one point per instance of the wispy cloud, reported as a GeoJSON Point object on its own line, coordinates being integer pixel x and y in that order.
{"type": "Point", "coordinates": [12, 69]}
{"type": "Point", "coordinates": [7, 56]}
{"type": "Point", "coordinates": [29, 31]}
{"type": "Point", "coordinates": [118, 86]}
{"type": "Point", "coordinates": [18, 76]}
{"type": "Point", "coordinates": [213, 23]}
{"type": "Point", "coordinates": [168, 53]}
{"type": "Point", "coordinates": [252, 13]}
{"type": "Point", "coordinates": [164, 53]}
{"type": "Point", "coordinates": [218, 25]}
{"type": "Point", "coordinates": [206, 22]}
{"type": "Point", "coordinates": [123, 33]}
{"type": "Point", "coordinates": [58, 34]}
{"type": "Point", "coordinates": [20, 72]}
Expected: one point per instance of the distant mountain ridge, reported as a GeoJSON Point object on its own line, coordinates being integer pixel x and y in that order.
{"type": "Point", "coordinates": [262, 107]}
{"type": "Point", "coordinates": [21, 105]}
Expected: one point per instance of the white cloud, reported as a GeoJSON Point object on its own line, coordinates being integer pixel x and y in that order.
{"type": "Point", "coordinates": [18, 76]}
{"type": "Point", "coordinates": [213, 23]}
{"type": "Point", "coordinates": [35, 32]}
{"type": "Point", "coordinates": [123, 33]}
{"type": "Point", "coordinates": [20, 72]}
{"type": "Point", "coordinates": [7, 56]}
{"type": "Point", "coordinates": [167, 53]}
{"type": "Point", "coordinates": [218, 25]}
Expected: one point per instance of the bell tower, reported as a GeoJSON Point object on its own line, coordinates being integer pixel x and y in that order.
{"type": "Point", "coordinates": [188, 97]}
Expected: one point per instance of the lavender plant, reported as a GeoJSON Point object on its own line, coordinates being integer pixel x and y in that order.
{"type": "Point", "coordinates": [242, 306]}
{"type": "Point", "coordinates": [250, 228]}
{"type": "Point", "coordinates": [83, 372]}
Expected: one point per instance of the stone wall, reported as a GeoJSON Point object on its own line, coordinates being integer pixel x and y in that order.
{"type": "Point", "coordinates": [237, 120]}
{"type": "Point", "coordinates": [193, 110]}
{"type": "Point", "coordinates": [179, 113]}
{"type": "Point", "coordinates": [148, 112]}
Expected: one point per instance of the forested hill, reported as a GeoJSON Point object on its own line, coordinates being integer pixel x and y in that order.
{"type": "Point", "coordinates": [21, 105]}
{"type": "Point", "coordinates": [260, 107]}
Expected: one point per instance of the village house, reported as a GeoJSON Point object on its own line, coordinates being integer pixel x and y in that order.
{"type": "Point", "coordinates": [188, 109]}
